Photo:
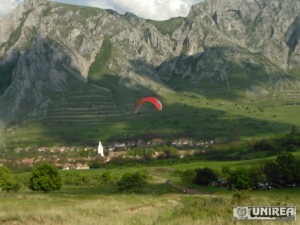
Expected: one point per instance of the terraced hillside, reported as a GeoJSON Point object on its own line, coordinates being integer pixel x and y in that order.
{"type": "Point", "coordinates": [77, 116]}
{"type": "Point", "coordinates": [72, 74]}
{"type": "Point", "coordinates": [87, 116]}
{"type": "Point", "coordinates": [84, 108]}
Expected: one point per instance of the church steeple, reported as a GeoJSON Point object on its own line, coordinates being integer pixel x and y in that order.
{"type": "Point", "coordinates": [100, 149]}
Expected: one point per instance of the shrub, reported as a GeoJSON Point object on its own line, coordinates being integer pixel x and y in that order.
{"type": "Point", "coordinates": [132, 181]}
{"type": "Point", "coordinates": [106, 178]}
{"type": "Point", "coordinates": [45, 178]}
{"type": "Point", "coordinates": [257, 174]}
{"type": "Point", "coordinates": [226, 170]}
{"type": "Point", "coordinates": [169, 151]}
{"type": "Point", "coordinates": [241, 179]}
{"type": "Point", "coordinates": [75, 178]}
{"type": "Point", "coordinates": [283, 171]}
{"type": "Point", "coordinates": [294, 131]}
{"type": "Point", "coordinates": [205, 176]}
{"type": "Point", "coordinates": [7, 181]}
{"type": "Point", "coordinates": [188, 176]}
{"type": "Point", "coordinates": [94, 164]}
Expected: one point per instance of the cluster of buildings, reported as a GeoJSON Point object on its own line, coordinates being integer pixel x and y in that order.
{"type": "Point", "coordinates": [65, 164]}
{"type": "Point", "coordinates": [60, 156]}
{"type": "Point", "coordinates": [179, 143]}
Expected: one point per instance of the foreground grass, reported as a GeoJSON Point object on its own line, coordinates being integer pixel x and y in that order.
{"type": "Point", "coordinates": [54, 209]}
{"type": "Point", "coordinates": [67, 207]}
{"type": "Point", "coordinates": [157, 203]}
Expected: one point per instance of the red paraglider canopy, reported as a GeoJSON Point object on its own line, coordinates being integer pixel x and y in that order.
{"type": "Point", "coordinates": [152, 100]}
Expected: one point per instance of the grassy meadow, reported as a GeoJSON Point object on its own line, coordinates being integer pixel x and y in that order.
{"type": "Point", "coordinates": [157, 203]}
{"type": "Point", "coordinates": [89, 116]}
{"type": "Point", "coordinates": [120, 209]}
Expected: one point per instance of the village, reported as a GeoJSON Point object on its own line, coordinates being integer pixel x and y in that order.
{"type": "Point", "coordinates": [79, 158]}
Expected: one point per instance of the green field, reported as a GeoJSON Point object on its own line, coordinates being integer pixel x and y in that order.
{"type": "Point", "coordinates": [98, 208]}
{"type": "Point", "coordinates": [86, 116]}
{"type": "Point", "coordinates": [157, 203]}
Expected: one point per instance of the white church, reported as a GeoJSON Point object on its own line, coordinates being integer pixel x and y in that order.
{"type": "Point", "coordinates": [100, 149]}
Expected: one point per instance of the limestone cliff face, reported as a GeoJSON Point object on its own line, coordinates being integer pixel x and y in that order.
{"type": "Point", "coordinates": [267, 27]}
{"type": "Point", "coordinates": [50, 42]}
{"type": "Point", "coordinates": [52, 48]}
{"type": "Point", "coordinates": [219, 37]}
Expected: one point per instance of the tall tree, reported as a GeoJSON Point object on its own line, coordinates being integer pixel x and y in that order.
{"type": "Point", "coordinates": [283, 171]}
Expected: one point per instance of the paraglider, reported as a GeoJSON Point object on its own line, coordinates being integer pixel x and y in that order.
{"type": "Point", "coordinates": [152, 100]}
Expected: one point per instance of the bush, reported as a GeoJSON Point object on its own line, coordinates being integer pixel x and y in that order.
{"type": "Point", "coordinates": [45, 178]}
{"type": "Point", "coordinates": [7, 181]}
{"type": "Point", "coordinates": [205, 176]}
{"type": "Point", "coordinates": [226, 170]}
{"type": "Point", "coordinates": [294, 131]}
{"type": "Point", "coordinates": [257, 175]}
{"type": "Point", "coordinates": [170, 151]}
{"type": "Point", "coordinates": [94, 164]}
{"type": "Point", "coordinates": [188, 176]}
{"type": "Point", "coordinates": [132, 181]}
{"type": "Point", "coordinates": [283, 171]}
{"type": "Point", "coordinates": [106, 178]}
{"type": "Point", "coordinates": [267, 145]}
{"type": "Point", "coordinates": [75, 178]}
{"type": "Point", "coordinates": [241, 179]}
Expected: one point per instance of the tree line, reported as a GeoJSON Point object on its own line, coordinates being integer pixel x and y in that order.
{"type": "Point", "coordinates": [46, 178]}
{"type": "Point", "coordinates": [282, 172]}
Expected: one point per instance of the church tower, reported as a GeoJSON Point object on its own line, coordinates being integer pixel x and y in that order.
{"type": "Point", "coordinates": [100, 149]}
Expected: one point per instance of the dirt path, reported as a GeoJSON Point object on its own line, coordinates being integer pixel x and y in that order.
{"type": "Point", "coordinates": [188, 190]}
{"type": "Point", "coordinates": [162, 180]}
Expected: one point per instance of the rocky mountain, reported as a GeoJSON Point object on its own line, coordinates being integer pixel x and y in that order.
{"type": "Point", "coordinates": [52, 54]}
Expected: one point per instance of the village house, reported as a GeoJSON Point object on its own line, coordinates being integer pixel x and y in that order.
{"type": "Point", "coordinates": [2, 161]}
{"type": "Point", "coordinates": [68, 166]}
{"type": "Point", "coordinates": [140, 143]}
{"type": "Point", "coordinates": [158, 154]}
{"type": "Point", "coordinates": [28, 149]}
{"type": "Point", "coordinates": [117, 146]}
{"type": "Point", "coordinates": [17, 150]}
{"type": "Point", "coordinates": [42, 149]}
{"type": "Point", "coordinates": [27, 161]}
{"type": "Point", "coordinates": [157, 142]}
{"type": "Point", "coordinates": [82, 166]}
{"type": "Point", "coordinates": [106, 159]}
{"type": "Point", "coordinates": [62, 149]}
{"type": "Point", "coordinates": [111, 148]}
{"type": "Point", "coordinates": [190, 152]}
{"type": "Point", "coordinates": [118, 154]}
{"type": "Point", "coordinates": [131, 144]}
{"type": "Point", "coordinates": [38, 158]}
{"type": "Point", "coordinates": [199, 143]}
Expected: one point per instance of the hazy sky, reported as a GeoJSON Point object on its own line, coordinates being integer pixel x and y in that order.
{"type": "Point", "coordinates": [148, 9]}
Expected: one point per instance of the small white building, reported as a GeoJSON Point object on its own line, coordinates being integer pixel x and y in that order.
{"type": "Point", "coordinates": [100, 149]}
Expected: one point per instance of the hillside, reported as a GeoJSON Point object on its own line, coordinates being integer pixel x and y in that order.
{"type": "Point", "coordinates": [72, 74]}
